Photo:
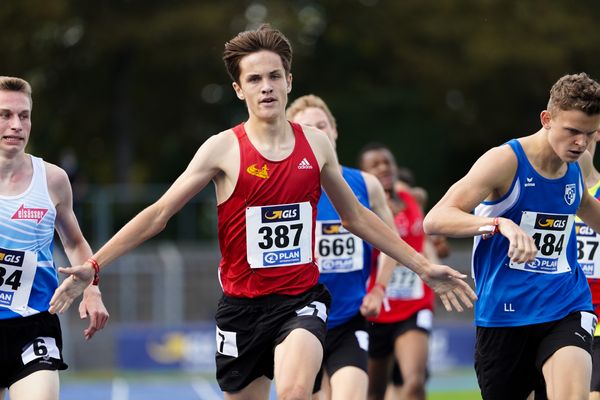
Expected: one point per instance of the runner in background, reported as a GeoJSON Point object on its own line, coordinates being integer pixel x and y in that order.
{"type": "Point", "coordinates": [401, 331]}
{"type": "Point", "coordinates": [345, 263]}
{"type": "Point", "coordinates": [436, 249]}
{"type": "Point", "coordinates": [588, 255]}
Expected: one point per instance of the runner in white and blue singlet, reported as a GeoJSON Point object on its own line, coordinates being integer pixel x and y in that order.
{"type": "Point", "coordinates": [35, 201]}
{"type": "Point", "coordinates": [27, 270]}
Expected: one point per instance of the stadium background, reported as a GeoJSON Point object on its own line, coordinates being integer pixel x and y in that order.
{"type": "Point", "coordinates": [126, 90]}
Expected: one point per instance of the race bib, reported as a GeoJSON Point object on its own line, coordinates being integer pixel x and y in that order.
{"type": "Point", "coordinates": [587, 250]}
{"type": "Point", "coordinates": [337, 249]}
{"type": "Point", "coordinates": [42, 347]}
{"type": "Point", "coordinates": [17, 269]}
{"type": "Point", "coordinates": [404, 284]}
{"type": "Point", "coordinates": [551, 233]}
{"type": "Point", "coordinates": [279, 236]}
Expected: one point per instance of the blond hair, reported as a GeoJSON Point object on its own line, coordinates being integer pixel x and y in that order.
{"type": "Point", "coordinates": [308, 101]}
{"type": "Point", "coordinates": [12, 84]}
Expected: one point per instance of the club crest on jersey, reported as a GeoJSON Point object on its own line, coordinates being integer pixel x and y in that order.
{"type": "Point", "coordinates": [12, 257]}
{"type": "Point", "coordinates": [261, 173]}
{"type": "Point", "coordinates": [570, 193]}
{"type": "Point", "coordinates": [288, 212]}
{"type": "Point", "coordinates": [25, 213]}
{"type": "Point", "coordinates": [551, 222]}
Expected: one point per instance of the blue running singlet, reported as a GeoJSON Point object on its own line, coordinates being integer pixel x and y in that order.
{"type": "Point", "coordinates": [343, 258]}
{"type": "Point", "coordinates": [553, 285]}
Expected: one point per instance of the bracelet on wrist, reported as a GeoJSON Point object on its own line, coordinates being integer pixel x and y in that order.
{"type": "Point", "coordinates": [380, 286]}
{"type": "Point", "coordinates": [490, 230]}
{"type": "Point", "coordinates": [96, 267]}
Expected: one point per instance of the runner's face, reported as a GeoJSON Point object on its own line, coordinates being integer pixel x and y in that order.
{"type": "Point", "coordinates": [15, 120]}
{"type": "Point", "coordinates": [264, 85]}
{"type": "Point", "coordinates": [570, 132]}
{"type": "Point", "coordinates": [381, 163]}
{"type": "Point", "coordinates": [315, 117]}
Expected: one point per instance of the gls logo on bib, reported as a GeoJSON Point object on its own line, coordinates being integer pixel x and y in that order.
{"type": "Point", "coordinates": [11, 257]}
{"type": "Point", "coordinates": [551, 222]}
{"type": "Point", "coordinates": [283, 213]}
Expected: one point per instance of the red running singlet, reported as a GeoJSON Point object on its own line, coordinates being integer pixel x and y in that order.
{"type": "Point", "coordinates": [266, 226]}
{"type": "Point", "coordinates": [406, 292]}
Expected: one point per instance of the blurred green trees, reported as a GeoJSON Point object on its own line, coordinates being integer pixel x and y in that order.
{"type": "Point", "coordinates": [133, 87]}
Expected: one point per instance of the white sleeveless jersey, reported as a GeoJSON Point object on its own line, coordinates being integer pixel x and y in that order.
{"type": "Point", "coordinates": [27, 273]}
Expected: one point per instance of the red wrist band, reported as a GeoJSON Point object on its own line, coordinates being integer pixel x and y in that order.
{"type": "Point", "coordinates": [380, 286]}
{"type": "Point", "coordinates": [96, 267]}
{"type": "Point", "coordinates": [490, 230]}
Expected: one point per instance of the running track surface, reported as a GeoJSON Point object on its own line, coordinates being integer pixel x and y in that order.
{"type": "Point", "coordinates": [206, 389]}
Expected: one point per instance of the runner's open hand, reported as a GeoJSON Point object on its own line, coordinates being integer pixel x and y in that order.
{"type": "Point", "coordinates": [450, 286]}
{"type": "Point", "coordinates": [93, 308]}
{"type": "Point", "coordinates": [72, 287]}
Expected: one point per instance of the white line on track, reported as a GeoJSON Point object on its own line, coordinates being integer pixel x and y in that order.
{"type": "Point", "coordinates": [205, 390]}
{"type": "Point", "coordinates": [120, 389]}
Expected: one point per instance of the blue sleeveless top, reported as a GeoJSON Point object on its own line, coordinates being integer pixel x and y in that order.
{"type": "Point", "coordinates": [28, 275]}
{"type": "Point", "coordinates": [344, 259]}
{"type": "Point", "coordinates": [553, 285]}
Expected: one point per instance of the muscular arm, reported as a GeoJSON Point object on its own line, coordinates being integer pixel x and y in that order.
{"type": "Point", "coordinates": [489, 179]}
{"type": "Point", "coordinates": [76, 247]}
{"type": "Point", "coordinates": [205, 165]}
{"type": "Point", "coordinates": [209, 161]}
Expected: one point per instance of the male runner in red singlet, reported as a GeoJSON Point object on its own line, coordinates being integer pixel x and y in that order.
{"type": "Point", "coordinates": [400, 331]}
{"type": "Point", "coordinates": [267, 173]}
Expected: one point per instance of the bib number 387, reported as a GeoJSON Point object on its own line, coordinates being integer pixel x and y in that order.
{"type": "Point", "coordinates": [279, 235]}
{"type": "Point", "coordinates": [588, 253]}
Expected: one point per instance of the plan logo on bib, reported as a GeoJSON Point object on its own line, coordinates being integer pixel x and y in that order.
{"type": "Point", "coordinates": [570, 193]}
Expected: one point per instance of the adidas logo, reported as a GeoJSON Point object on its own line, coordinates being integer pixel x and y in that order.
{"type": "Point", "coordinates": [304, 164]}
